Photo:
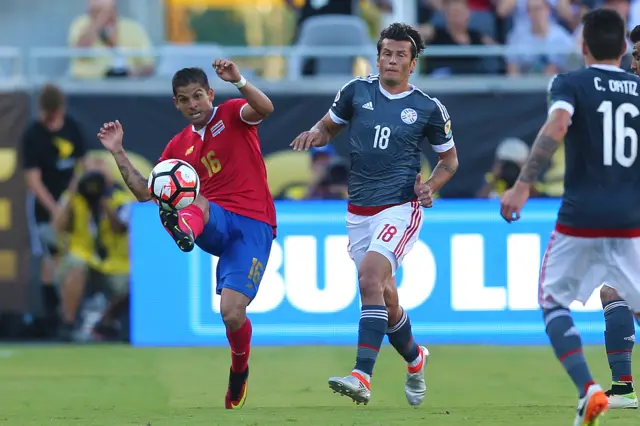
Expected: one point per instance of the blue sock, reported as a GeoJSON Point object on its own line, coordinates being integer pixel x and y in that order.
{"type": "Point", "coordinates": [371, 331]}
{"type": "Point", "coordinates": [619, 337]}
{"type": "Point", "coordinates": [567, 345]}
{"type": "Point", "coordinates": [401, 338]}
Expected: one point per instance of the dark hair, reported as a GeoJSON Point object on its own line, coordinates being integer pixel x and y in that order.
{"type": "Point", "coordinates": [51, 99]}
{"type": "Point", "coordinates": [402, 32]}
{"type": "Point", "coordinates": [604, 34]}
{"type": "Point", "coordinates": [187, 76]}
{"type": "Point", "coordinates": [634, 35]}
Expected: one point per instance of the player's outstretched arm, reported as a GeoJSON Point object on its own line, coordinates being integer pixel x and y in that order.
{"type": "Point", "coordinates": [111, 135]}
{"type": "Point", "coordinates": [319, 135]}
{"type": "Point", "coordinates": [260, 106]}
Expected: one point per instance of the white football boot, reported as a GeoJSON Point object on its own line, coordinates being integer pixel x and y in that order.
{"type": "Point", "coordinates": [352, 387]}
{"type": "Point", "coordinates": [415, 386]}
{"type": "Point", "coordinates": [623, 401]}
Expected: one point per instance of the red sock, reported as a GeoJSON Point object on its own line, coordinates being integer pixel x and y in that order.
{"type": "Point", "coordinates": [194, 216]}
{"type": "Point", "coordinates": [240, 342]}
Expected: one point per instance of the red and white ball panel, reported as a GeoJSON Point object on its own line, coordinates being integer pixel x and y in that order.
{"type": "Point", "coordinates": [174, 183]}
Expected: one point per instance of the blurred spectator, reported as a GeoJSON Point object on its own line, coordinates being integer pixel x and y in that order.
{"type": "Point", "coordinates": [103, 28]}
{"type": "Point", "coordinates": [334, 183]}
{"type": "Point", "coordinates": [321, 161]}
{"type": "Point", "coordinates": [511, 155]}
{"type": "Point", "coordinates": [329, 177]}
{"type": "Point", "coordinates": [456, 33]}
{"type": "Point", "coordinates": [93, 215]}
{"type": "Point", "coordinates": [541, 34]}
{"type": "Point", "coordinates": [563, 12]}
{"type": "Point", "coordinates": [312, 8]}
{"type": "Point", "coordinates": [53, 146]}
{"type": "Point", "coordinates": [623, 7]}
{"type": "Point", "coordinates": [487, 16]}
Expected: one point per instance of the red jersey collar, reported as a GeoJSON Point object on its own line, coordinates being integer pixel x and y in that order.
{"type": "Point", "coordinates": [204, 128]}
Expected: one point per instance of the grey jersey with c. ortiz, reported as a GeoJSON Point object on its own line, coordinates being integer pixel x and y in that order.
{"type": "Point", "coordinates": [385, 133]}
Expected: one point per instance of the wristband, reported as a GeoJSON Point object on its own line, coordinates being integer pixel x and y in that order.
{"type": "Point", "coordinates": [240, 84]}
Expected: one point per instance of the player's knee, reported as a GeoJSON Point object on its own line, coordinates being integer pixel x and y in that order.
{"type": "Point", "coordinates": [233, 318]}
{"type": "Point", "coordinates": [608, 294]}
{"type": "Point", "coordinates": [233, 308]}
{"type": "Point", "coordinates": [371, 285]}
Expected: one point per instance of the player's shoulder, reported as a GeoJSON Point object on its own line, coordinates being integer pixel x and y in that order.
{"type": "Point", "coordinates": [366, 82]}
{"type": "Point", "coordinates": [232, 103]}
{"type": "Point", "coordinates": [423, 97]}
{"type": "Point", "coordinates": [561, 79]}
{"type": "Point", "coordinates": [428, 102]}
{"type": "Point", "coordinates": [184, 136]}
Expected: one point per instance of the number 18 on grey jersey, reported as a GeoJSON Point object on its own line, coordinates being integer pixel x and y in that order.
{"type": "Point", "coordinates": [385, 133]}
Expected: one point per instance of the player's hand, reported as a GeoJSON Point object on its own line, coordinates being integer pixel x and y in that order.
{"type": "Point", "coordinates": [227, 70]}
{"type": "Point", "coordinates": [423, 192]}
{"type": "Point", "coordinates": [306, 140]}
{"type": "Point", "coordinates": [513, 201]}
{"type": "Point", "coordinates": [111, 135]}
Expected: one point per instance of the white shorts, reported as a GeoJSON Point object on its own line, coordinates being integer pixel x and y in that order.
{"type": "Point", "coordinates": [573, 267]}
{"type": "Point", "coordinates": [392, 233]}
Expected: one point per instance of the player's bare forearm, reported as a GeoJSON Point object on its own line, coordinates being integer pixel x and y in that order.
{"type": "Point", "coordinates": [444, 170]}
{"type": "Point", "coordinates": [132, 177]}
{"type": "Point", "coordinates": [261, 105]}
{"type": "Point", "coordinates": [543, 149]}
{"type": "Point", "coordinates": [328, 128]}
{"type": "Point", "coordinates": [546, 144]}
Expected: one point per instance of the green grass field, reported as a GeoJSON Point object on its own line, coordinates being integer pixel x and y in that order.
{"type": "Point", "coordinates": [120, 385]}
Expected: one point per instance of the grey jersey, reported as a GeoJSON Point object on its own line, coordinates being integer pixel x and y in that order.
{"type": "Point", "coordinates": [385, 133]}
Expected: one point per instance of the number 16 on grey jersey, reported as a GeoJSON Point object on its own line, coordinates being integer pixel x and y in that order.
{"type": "Point", "coordinates": [385, 133]}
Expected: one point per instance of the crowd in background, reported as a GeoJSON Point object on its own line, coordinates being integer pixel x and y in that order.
{"type": "Point", "coordinates": [526, 27]}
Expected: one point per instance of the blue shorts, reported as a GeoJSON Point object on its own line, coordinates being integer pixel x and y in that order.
{"type": "Point", "coordinates": [242, 245]}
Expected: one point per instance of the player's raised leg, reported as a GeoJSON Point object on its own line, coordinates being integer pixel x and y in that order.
{"type": "Point", "coordinates": [401, 338]}
{"type": "Point", "coordinates": [375, 270]}
{"type": "Point", "coordinates": [186, 225]}
{"type": "Point", "coordinates": [619, 338]}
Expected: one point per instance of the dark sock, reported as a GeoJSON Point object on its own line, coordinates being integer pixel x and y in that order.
{"type": "Point", "coordinates": [567, 345]}
{"type": "Point", "coordinates": [50, 305]}
{"type": "Point", "coordinates": [50, 299]}
{"type": "Point", "coordinates": [401, 338]}
{"type": "Point", "coordinates": [619, 337]}
{"type": "Point", "coordinates": [371, 331]}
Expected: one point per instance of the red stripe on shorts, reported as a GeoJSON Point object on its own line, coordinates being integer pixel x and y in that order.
{"type": "Point", "coordinates": [410, 231]}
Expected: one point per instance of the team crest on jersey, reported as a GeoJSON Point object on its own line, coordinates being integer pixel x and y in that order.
{"type": "Point", "coordinates": [409, 115]}
{"type": "Point", "coordinates": [447, 129]}
{"type": "Point", "coordinates": [217, 128]}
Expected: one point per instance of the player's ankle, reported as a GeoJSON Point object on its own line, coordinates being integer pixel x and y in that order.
{"type": "Point", "coordinates": [621, 388]}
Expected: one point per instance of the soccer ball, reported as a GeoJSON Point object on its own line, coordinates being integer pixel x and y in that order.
{"type": "Point", "coordinates": [174, 183]}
